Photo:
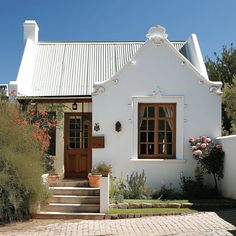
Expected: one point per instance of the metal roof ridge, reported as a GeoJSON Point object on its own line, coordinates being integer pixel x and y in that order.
{"type": "Point", "coordinates": [100, 42]}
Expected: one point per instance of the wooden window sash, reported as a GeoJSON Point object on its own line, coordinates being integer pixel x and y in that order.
{"type": "Point", "coordinates": [156, 119]}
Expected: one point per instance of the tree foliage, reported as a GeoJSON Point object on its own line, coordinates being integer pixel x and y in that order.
{"type": "Point", "coordinates": [20, 167]}
{"type": "Point", "coordinates": [223, 69]}
{"type": "Point", "coordinates": [229, 100]}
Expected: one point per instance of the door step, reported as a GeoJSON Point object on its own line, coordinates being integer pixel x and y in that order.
{"type": "Point", "coordinates": [74, 199]}
{"type": "Point", "coordinates": [80, 191]}
{"type": "Point", "coordinates": [71, 208]}
{"type": "Point", "coordinates": [67, 216]}
{"type": "Point", "coordinates": [69, 183]}
{"type": "Point", "coordinates": [71, 199]}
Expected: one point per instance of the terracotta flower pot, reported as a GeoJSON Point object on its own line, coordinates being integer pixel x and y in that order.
{"type": "Point", "coordinates": [53, 177]}
{"type": "Point", "coordinates": [105, 174]}
{"type": "Point", "coordinates": [94, 181]}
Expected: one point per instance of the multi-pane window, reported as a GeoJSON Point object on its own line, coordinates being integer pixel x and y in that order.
{"type": "Point", "coordinates": [157, 130]}
{"type": "Point", "coordinates": [75, 131]}
{"type": "Point", "coordinates": [79, 131]}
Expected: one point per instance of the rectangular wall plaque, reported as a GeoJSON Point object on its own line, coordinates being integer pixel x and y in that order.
{"type": "Point", "coordinates": [98, 142]}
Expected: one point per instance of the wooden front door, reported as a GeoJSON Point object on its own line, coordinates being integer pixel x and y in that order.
{"type": "Point", "coordinates": [78, 152]}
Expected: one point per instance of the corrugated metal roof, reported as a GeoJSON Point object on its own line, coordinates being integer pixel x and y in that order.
{"type": "Point", "coordinates": [71, 68]}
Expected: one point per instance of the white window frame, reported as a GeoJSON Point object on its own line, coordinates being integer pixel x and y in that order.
{"type": "Point", "coordinates": [179, 100]}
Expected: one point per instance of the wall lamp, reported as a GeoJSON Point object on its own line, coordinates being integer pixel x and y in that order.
{"type": "Point", "coordinates": [74, 106]}
{"type": "Point", "coordinates": [118, 126]}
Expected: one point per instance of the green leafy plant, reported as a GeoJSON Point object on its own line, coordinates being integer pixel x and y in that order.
{"type": "Point", "coordinates": [103, 167]}
{"type": "Point", "coordinates": [195, 188]}
{"type": "Point", "coordinates": [136, 184]}
{"type": "Point", "coordinates": [165, 193]}
{"type": "Point", "coordinates": [95, 171]}
{"type": "Point", "coordinates": [117, 189]}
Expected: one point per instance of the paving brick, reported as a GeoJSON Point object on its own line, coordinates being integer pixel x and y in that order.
{"type": "Point", "coordinates": [194, 224]}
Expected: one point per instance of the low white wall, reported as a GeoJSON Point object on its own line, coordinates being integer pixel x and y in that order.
{"type": "Point", "coordinates": [104, 194]}
{"type": "Point", "coordinates": [228, 185]}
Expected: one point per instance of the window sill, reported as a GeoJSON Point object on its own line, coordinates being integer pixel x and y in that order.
{"type": "Point", "coordinates": [158, 160]}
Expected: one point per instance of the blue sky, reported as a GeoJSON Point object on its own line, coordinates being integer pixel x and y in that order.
{"type": "Point", "coordinates": [212, 20]}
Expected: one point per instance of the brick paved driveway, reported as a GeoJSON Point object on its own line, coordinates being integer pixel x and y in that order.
{"type": "Point", "coordinates": [209, 223]}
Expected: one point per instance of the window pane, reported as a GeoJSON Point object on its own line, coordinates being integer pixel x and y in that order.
{"type": "Point", "coordinates": [161, 112]}
{"type": "Point", "coordinates": [145, 112]}
{"type": "Point", "coordinates": [143, 137]}
{"type": "Point", "coordinates": [150, 137]}
{"type": "Point", "coordinates": [151, 111]}
{"type": "Point", "coordinates": [169, 148]}
{"type": "Point", "coordinates": [72, 145]}
{"type": "Point", "coordinates": [151, 125]}
{"type": "Point", "coordinates": [143, 125]}
{"type": "Point", "coordinates": [161, 137]}
{"type": "Point", "coordinates": [143, 149]}
{"type": "Point", "coordinates": [161, 148]}
{"type": "Point", "coordinates": [169, 111]}
{"type": "Point", "coordinates": [169, 137]}
{"type": "Point", "coordinates": [161, 124]}
{"type": "Point", "coordinates": [169, 125]}
{"type": "Point", "coordinates": [72, 133]}
{"type": "Point", "coordinates": [150, 148]}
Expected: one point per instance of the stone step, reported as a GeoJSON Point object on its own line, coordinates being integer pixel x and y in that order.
{"type": "Point", "coordinates": [69, 183]}
{"type": "Point", "coordinates": [71, 208]}
{"type": "Point", "coordinates": [65, 215]}
{"type": "Point", "coordinates": [74, 199]}
{"type": "Point", "coordinates": [85, 191]}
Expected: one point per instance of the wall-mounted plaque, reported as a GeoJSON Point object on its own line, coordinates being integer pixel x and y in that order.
{"type": "Point", "coordinates": [98, 142]}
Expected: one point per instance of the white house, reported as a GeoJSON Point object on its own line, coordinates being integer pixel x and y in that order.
{"type": "Point", "coordinates": [135, 104]}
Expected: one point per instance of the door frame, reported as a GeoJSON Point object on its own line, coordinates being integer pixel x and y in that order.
{"type": "Point", "coordinates": [66, 132]}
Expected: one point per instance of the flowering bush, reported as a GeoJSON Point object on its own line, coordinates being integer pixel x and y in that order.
{"type": "Point", "coordinates": [209, 155]}
{"type": "Point", "coordinates": [20, 167]}
{"type": "Point", "coordinates": [41, 123]}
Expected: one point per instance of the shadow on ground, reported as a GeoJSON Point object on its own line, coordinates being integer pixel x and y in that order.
{"type": "Point", "coordinates": [229, 216]}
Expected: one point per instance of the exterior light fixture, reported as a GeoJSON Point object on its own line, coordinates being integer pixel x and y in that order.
{"type": "Point", "coordinates": [74, 106]}
{"type": "Point", "coordinates": [118, 126]}
{"type": "Point", "coordinates": [96, 127]}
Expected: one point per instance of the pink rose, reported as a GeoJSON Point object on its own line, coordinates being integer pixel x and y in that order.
{"type": "Point", "coordinates": [218, 146]}
{"type": "Point", "coordinates": [197, 153]}
{"type": "Point", "coordinates": [191, 140]}
{"type": "Point", "coordinates": [208, 140]}
{"type": "Point", "coordinates": [203, 146]}
{"type": "Point", "coordinates": [194, 147]}
{"type": "Point", "coordinates": [203, 139]}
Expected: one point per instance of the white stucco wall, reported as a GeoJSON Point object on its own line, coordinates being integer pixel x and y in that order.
{"type": "Point", "coordinates": [156, 74]}
{"type": "Point", "coordinates": [227, 184]}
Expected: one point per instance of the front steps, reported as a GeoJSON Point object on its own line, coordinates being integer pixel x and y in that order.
{"type": "Point", "coordinates": [71, 199]}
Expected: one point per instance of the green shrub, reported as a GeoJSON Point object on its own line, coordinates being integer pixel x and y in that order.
{"type": "Point", "coordinates": [165, 193]}
{"type": "Point", "coordinates": [117, 189]}
{"type": "Point", "coordinates": [136, 185]}
{"type": "Point", "coordinates": [21, 166]}
{"type": "Point", "coordinates": [14, 197]}
{"type": "Point", "coordinates": [196, 189]}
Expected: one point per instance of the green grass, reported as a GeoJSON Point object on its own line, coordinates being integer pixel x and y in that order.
{"type": "Point", "coordinates": [153, 201]}
{"type": "Point", "coordinates": [150, 210]}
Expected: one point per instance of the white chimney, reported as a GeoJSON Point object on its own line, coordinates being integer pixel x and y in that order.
{"type": "Point", "coordinates": [31, 30]}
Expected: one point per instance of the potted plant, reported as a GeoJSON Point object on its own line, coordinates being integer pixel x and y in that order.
{"type": "Point", "coordinates": [94, 178]}
{"type": "Point", "coordinates": [104, 169]}
{"type": "Point", "coordinates": [53, 176]}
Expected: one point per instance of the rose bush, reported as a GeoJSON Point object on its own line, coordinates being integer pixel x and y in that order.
{"type": "Point", "coordinates": [209, 155]}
